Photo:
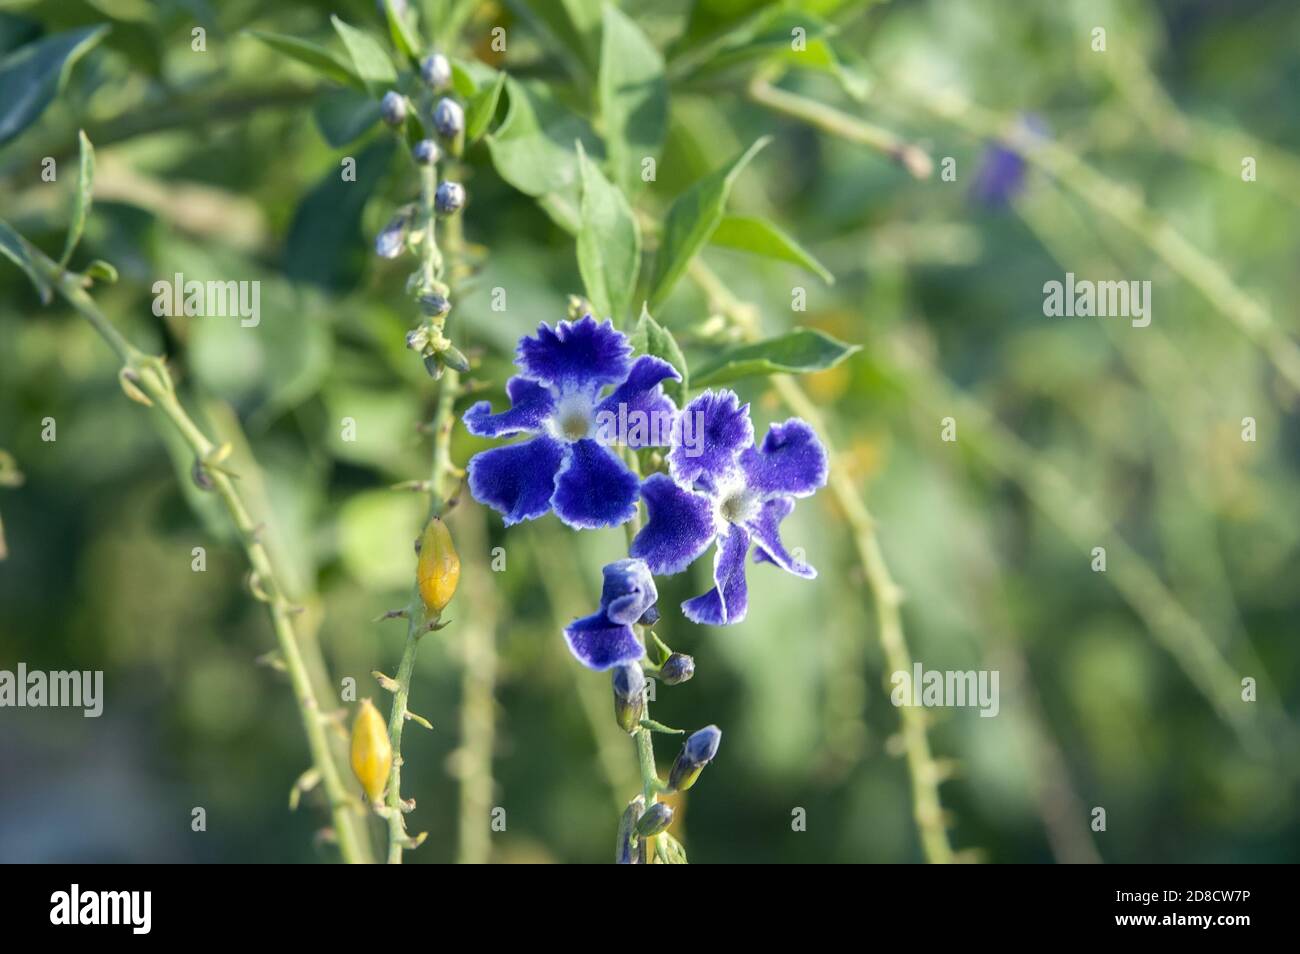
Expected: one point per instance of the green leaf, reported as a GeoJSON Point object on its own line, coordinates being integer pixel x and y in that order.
{"type": "Point", "coordinates": [795, 353]}
{"type": "Point", "coordinates": [650, 337]}
{"type": "Point", "coordinates": [633, 95]}
{"type": "Point", "coordinates": [482, 107]}
{"type": "Point", "coordinates": [310, 54]}
{"type": "Point", "coordinates": [572, 25]}
{"type": "Point", "coordinates": [80, 202]}
{"type": "Point", "coordinates": [32, 75]}
{"type": "Point", "coordinates": [533, 148]}
{"type": "Point", "coordinates": [768, 33]}
{"type": "Point", "coordinates": [404, 37]}
{"type": "Point", "coordinates": [692, 219]}
{"type": "Point", "coordinates": [762, 237]}
{"type": "Point", "coordinates": [19, 251]}
{"type": "Point", "coordinates": [609, 243]}
{"type": "Point", "coordinates": [344, 115]}
{"type": "Point", "coordinates": [369, 60]}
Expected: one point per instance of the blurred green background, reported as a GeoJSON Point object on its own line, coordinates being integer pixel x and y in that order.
{"type": "Point", "coordinates": [214, 164]}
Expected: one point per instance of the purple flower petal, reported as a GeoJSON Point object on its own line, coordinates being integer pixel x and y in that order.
{"type": "Point", "coordinates": [628, 591]}
{"type": "Point", "coordinates": [709, 434]}
{"type": "Point", "coordinates": [517, 480]}
{"type": "Point", "coordinates": [792, 460]}
{"type": "Point", "coordinates": [599, 643]}
{"type": "Point", "coordinates": [679, 526]}
{"type": "Point", "coordinates": [576, 355]}
{"type": "Point", "coordinates": [643, 395]}
{"type": "Point", "coordinates": [728, 601]}
{"type": "Point", "coordinates": [530, 405]}
{"type": "Point", "coordinates": [768, 547]}
{"type": "Point", "coordinates": [594, 488]}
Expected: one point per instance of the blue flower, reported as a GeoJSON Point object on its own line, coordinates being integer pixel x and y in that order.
{"type": "Point", "coordinates": [568, 466]}
{"type": "Point", "coordinates": [1001, 175]}
{"type": "Point", "coordinates": [605, 638]}
{"type": "Point", "coordinates": [726, 491]}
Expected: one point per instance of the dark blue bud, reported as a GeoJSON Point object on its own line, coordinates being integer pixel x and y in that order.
{"type": "Point", "coordinates": [676, 669]}
{"type": "Point", "coordinates": [435, 306]}
{"type": "Point", "coordinates": [393, 108]}
{"type": "Point", "coordinates": [435, 70]}
{"type": "Point", "coordinates": [656, 818]}
{"type": "Point", "coordinates": [390, 242]}
{"type": "Point", "coordinates": [629, 696]}
{"type": "Point", "coordinates": [426, 152]}
{"type": "Point", "coordinates": [698, 752]}
{"type": "Point", "coordinates": [450, 198]}
{"type": "Point", "coordinates": [448, 118]}
{"type": "Point", "coordinates": [649, 617]}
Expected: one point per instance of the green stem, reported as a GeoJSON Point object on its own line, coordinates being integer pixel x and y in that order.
{"type": "Point", "coordinates": [149, 376]}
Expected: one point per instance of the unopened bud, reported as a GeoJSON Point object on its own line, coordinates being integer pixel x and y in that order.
{"type": "Point", "coordinates": [435, 70]}
{"type": "Point", "coordinates": [454, 359]}
{"type": "Point", "coordinates": [372, 753]}
{"type": "Point", "coordinates": [676, 669]}
{"type": "Point", "coordinates": [200, 475]}
{"type": "Point", "coordinates": [649, 617]}
{"type": "Point", "coordinates": [393, 108]}
{"type": "Point", "coordinates": [417, 339]}
{"type": "Point", "coordinates": [656, 818]}
{"type": "Point", "coordinates": [450, 198]}
{"type": "Point", "coordinates": [426, 152]}
{"type": "Point", "coordinates": [448, 118]}
{"type": "Point", "coordinates": [627, 852]}
{"type": "Point", "coordinates": [392, 239]}
{"type": "Point", "coordinates": [697, 752]}
{"type": "Point", "coordinates": [438, 569]}
{"type": "Point", "coordinates": [434, 306]}
{"type": "Point", "coordinates": [629, 697]}
{"type": "Point", "coordinates": [578, 307]}
{"type": "Point", "coordinates": [433, 365]}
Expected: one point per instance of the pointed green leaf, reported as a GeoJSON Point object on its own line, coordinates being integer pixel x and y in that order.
{"type": "Point", "coordinates": [369, 61]}
{"type": "Point", "coordinates": [310, 54]}
{"type": "Point", "coordinates": [572, 26]}
{"type": "Point", "coordinates": [650, 337]}
{"type": "Point", "coordinates": [762, 237]}
{"type": "Point", "coordinates": [533, 149]}
{"type": "Point", "coordinates": [404, 37]}
{"type": "Point", "coordinates": [19, 251]}
{"type": "Point", "coordinates": [81, 201]}
{"type": "Point", "coordinates": [692, 219]}
{"type": "Point", "coordinates": [795, 353]}
{"type": "Point", "coordinates": [482, 107]}
{"type": "Point", "coordinates": [633, 95]}
{"type": "Point", "coordinates": [32, 75]}
{"type": "Point", "coordinates": [344, 115]}
{"type": "Point", "coordinates": [609, 243]}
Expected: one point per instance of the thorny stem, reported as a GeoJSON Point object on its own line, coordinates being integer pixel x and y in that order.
{"type": "Point", "coordinates": [832, 121]}
{"type": "Point", "coordinates": [442, 472]}
{"type": "Point", "coordinates": [149, 375]}
{"type": "Point", "coordinates": [925, 772]}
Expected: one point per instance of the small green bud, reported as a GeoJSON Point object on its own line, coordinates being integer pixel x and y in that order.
{"type": "Point", "coordinates": [452, 358]}
{"type": "Point", "coordinates": [656, 818]}
{"type": "Point", "coordinates": [697, 752]}
{"type": "Point", "coordinates": [628, 852]}
{"type": "Point", "coordinates": [629, 697]}
{"type": "Point", "coordinates": [417, 339]}
{"type": "Point", "coordinates": [434, 306]}
{"type": "Point", "coordinates": [433, 364]}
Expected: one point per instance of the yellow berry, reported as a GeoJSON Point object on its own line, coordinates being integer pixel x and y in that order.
{"type": "Point", "coordinates": [438, 569]}
{"type": "Point", "coordinates": [372, 754]}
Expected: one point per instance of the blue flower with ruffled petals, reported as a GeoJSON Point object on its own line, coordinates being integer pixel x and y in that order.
{"type": "Point", "coordinates": [605, 638]}
{"type": "Point", "coordinates": [727, 491]}
{"type": "Point", "coordinates": [567, 466]}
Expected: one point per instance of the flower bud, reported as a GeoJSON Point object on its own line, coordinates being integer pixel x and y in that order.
{"type": "Point", "coordinates": [433, 365]}
{"type": "Point", "coordinates": [393, 108]}
{"type": "Point", "coordinates": [649, 617]}
{"type": "Point", "coordinates": [434, 306]}
{"type": "Point", "coordinates": [438, 569]}
{"type": "Point", "coordinates": [435, 70]}
{"type": "Point", "coordinates": [697, 752]}
{"type": "Point", "coordinates": [629, 696]}
{"type": "Point", "coordinates": [656, 818]}
{"type": "Point", "coordinates": [392, 239]}
{"type": "Point", "coordinates": [676, 669]}
{"type": "Point", "coordinates": [448, 118]}
{"type": "Point", "coordinates": [628, 851]}
{"type": "Point", "coordinates": [454, 359]}
{"type": "Point", "coordinates": [450, 198]}
{"type": "Point", "coordinates": [372, 753]}
{"type": "Point", "coordinates": [426, 152]}
{"type": "Point", "coordinates": [417, 339]}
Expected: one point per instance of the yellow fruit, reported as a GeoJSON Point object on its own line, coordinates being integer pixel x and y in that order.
{"type": "Point", "coordinates": [438, 569]}
{"type": "Point", "coordinates": [372, 754]}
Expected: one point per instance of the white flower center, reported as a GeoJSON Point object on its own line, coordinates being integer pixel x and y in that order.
{"type": "Point", "coordinates": [736, 503]}
{"type": "Point", "coordinates": [572, 419]}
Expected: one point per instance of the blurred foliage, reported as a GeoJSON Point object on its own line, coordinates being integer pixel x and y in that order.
{"type": "Point", "coordinates": [225, 164]}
